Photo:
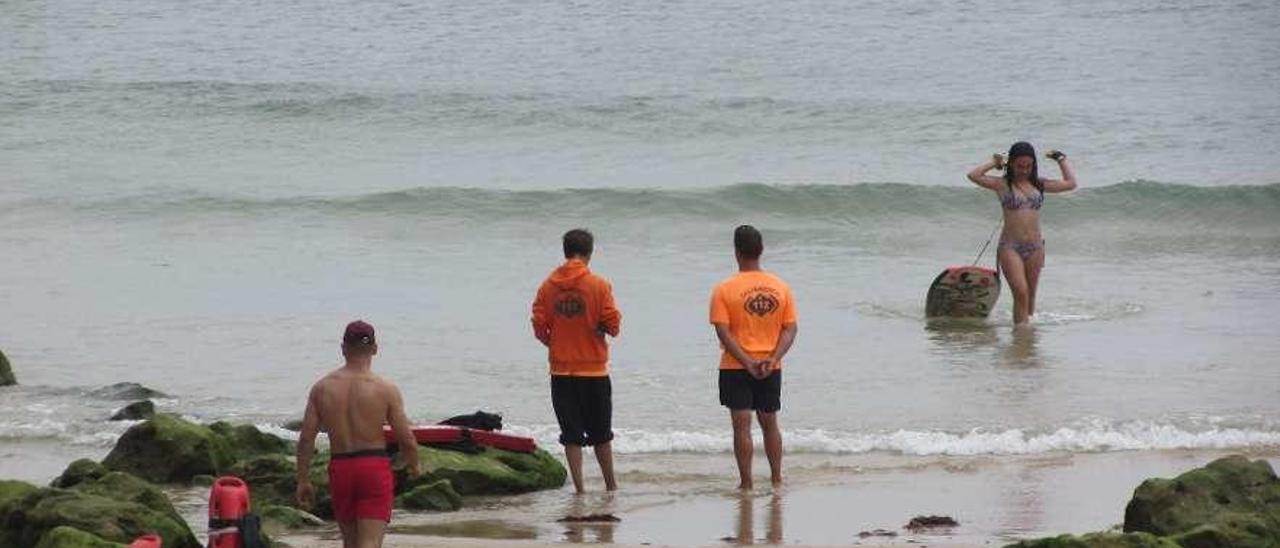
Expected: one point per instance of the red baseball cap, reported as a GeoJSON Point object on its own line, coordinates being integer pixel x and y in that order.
{"type": "Point", "coordinates": [358, 333]}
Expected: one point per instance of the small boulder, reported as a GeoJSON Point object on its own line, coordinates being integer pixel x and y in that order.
{"type": "Point", "coordinates": [247, 441]}
{"type": "Point", "coordinates": [6, 372]}
{"type": "Point", "coordinates": [488, 472]}
{"type": "Point", "coordinates": [438, 496]}
{"type": "Point", "coordinates": [878, 533]}
{"type": "Point", "coordinates": [68, 537]}
{"type": "Point", "coordinates": [79, 471]}
{"type": "Point", "coordinates": [27, 520]}
{"type": "Point", "coordinates": [272, 480]}
{"type": "Point", "coordinates": [1229, 502]}
{"type": "Point", "coordinates": [277, 519]}
{"type": "Point", "coordinates": [125, 391]}
{"type": "Point", "coordinates": [920, 523]}
{"type": "Point", "coordinates": [136, 411]}
{"type": "Point", "coordinates": [167, 449]}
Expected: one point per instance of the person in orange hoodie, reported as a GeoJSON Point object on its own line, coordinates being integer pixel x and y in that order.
{"type": "Point", "coordinates": [754, 315]}
{"type": "Point", "coordinates": [572, 313]}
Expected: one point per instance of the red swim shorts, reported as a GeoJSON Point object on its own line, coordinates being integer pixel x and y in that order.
{"type": "Point", "coordinates": [361, 486]}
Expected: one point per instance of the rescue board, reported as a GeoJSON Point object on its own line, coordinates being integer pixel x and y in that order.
{"type": "Point", "coordinates": [963, 292]}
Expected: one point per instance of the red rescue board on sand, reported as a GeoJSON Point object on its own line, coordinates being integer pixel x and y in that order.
{"type": "Point", "coordinates": [441, 434]}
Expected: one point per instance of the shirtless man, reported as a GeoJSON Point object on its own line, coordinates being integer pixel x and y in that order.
{"type": "Point", "coordinates": [352, 404]}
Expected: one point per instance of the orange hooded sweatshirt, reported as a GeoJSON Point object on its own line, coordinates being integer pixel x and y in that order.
{"type": "Point", "coordinates": [572, 313]}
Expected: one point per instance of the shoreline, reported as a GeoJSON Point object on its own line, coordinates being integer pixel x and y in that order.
{"type": "Point", "coordinates": [829, 499]}
{"type": "Point", "coordinates": [997, 501]}
{"type": "Point", "coordinates": [691, 499]}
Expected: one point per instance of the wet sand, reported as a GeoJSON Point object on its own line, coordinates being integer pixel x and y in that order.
{"type": "Point", "coordinates": [828, 501]}
{"type": "Point", "coordinates": [410, 541]}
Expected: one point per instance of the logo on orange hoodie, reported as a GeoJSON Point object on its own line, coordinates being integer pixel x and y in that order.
{"type": "Point", "coordinates": [570, 304]}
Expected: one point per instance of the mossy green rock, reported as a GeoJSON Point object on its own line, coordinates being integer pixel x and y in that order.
{"type": "Point", "coordinates": [136, 411]}
{"type": "Point", "coordinates": [68, 537]}
{"type": "Point", "coordinates": [10, 490]}
{"type": "Point", "coordinates": [122, 486]}
{"type": "Point", "coordinates": [1099, 540]}
{"type": "Point", "coordinates": [1230, 502]}
{"type": "Point", "coordinates": [167, 449]}
{"type": "Point", "coordinates": [125, 391]}
{"type": "Point", "coordinates": [276, 518]}
{"type": "Point", "coordinates": [246, 441]}
{"type": "Point", "coordinates": [6, 372]}
{"type": "Point", "coordinates": [489, 472]}
{"type": "Point", "coordinates": [79, 471]}
{"type": "Point", "coordinates": [438, 496]}
{"type": "Point", "coordinates": [1240, 531]}
{"type": "Point", "coordinates": [272, 481]}
{"type": "Point", "coordinates": [26, 520]}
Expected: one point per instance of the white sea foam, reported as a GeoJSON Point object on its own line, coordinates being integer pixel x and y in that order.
{"type": "Point", "coordinates": [99, 434]}
{"type": "Point", "coordinates": [1088, 436]}
{"type": "Point", "coordinates": [1091, 437]}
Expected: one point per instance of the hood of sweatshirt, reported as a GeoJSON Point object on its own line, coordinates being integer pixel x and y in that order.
{"type": "Point", "coordinates": [569, 273]}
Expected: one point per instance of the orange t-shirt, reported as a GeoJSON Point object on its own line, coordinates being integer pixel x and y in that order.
{"type": "Point", "coordinates": [755, 305]}
{"type": "Point", "coordinates": [572, 312]}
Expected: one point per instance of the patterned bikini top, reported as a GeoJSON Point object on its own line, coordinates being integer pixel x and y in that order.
{"type": "Point", "coordinates": [1012, 200]}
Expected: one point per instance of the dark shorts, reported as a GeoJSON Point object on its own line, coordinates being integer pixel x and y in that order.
{"type": "Point", "coordinates": [584, 409]}
{"type": "Point", "coordinates": [361, 486]}
{"type": "Point", "coordinates": [739, 391]}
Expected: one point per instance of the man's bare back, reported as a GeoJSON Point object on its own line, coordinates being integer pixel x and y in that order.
{"type": "Point", "coordinates": [351, 406]}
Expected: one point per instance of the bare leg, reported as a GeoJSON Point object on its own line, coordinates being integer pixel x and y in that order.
{"type": "Point", "coordinates": [348, 529]}
{"type": "Point", "coordinates": [370, 532]}
{"type": "Point", "coordinates": [1015, 274]}
{"type": "Point", "coordinates": [774, 532]}
{"type": "Point", "coordinates": [772, 445]}
{"type": "Point", "coordinates": [742, 447]}
{"type": "Point", "coordinates": [746, 519]}
{"type": "Point", "coordinates": [604, 456]}
{"type": "Point", "coordinates": [573, 454]}
{"type": "Point", "coordinates": [1034, 264]}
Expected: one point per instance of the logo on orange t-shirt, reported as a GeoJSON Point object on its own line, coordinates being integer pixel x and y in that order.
{"type": "Point", "coordinates": [762, 303]}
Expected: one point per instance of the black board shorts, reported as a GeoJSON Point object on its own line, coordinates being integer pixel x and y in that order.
{"type": "Point", "coordinates": [739, 390]}
{"type": "Point", "coordinates": [584, 409]}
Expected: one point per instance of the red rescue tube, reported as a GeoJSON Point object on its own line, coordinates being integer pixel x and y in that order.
{"type": "Point", "coordinates": [442, 434]}
{"type": "Point", "coordinates": [228, 503]}
{"type": "Point", "coordinates": [147, 541]}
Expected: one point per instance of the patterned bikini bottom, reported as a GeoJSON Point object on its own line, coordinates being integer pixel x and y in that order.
{"type": "Point", "coordinates": [1024, 249]}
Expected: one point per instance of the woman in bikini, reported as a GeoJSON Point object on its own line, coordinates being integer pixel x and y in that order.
{"type": "Point", "coordinates": [1021, 192]}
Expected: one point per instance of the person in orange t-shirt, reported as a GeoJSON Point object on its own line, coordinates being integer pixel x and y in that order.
{"type": "Point", "coordinates": [754, 315]}
{"type": "Point", "coordinates": [572, 313]}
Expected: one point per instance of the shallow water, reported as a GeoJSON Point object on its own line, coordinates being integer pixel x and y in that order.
{"type": "Point", "coordinates": [198, 198]}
